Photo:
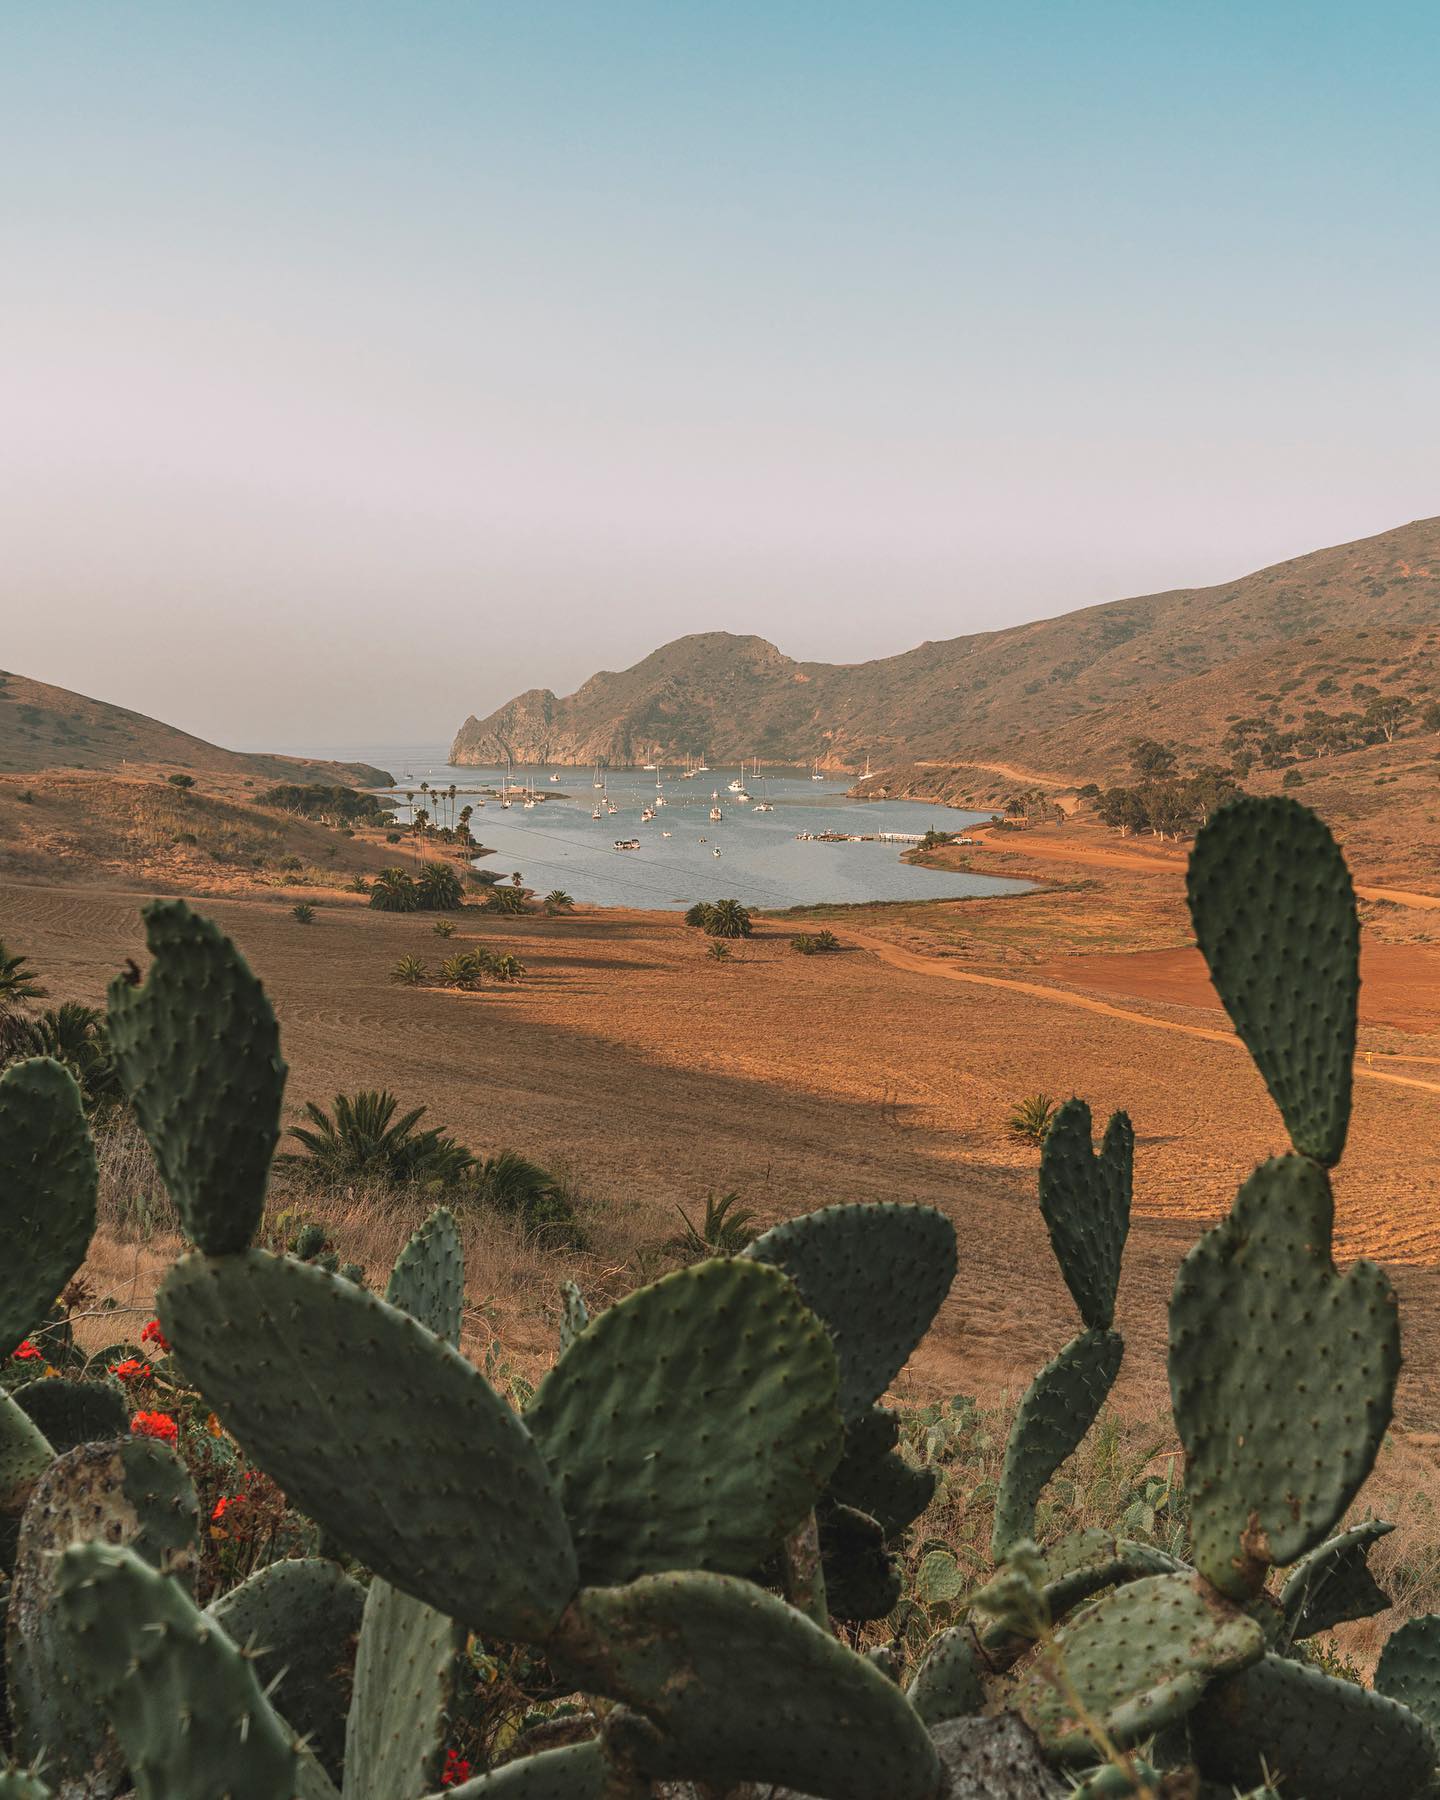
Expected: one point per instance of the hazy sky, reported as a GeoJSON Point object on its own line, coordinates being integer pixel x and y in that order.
{"type": "Point", "coordinates": [362, 364]}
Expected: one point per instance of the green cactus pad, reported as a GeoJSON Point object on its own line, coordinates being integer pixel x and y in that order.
{"type": "Point", "coordinates": [299, 1619]}
{"type": "Point", "coordinates": [1058, 1408]}
{"type": "Point", "coordinates": [1312, 1735]}
{"type": "Point", "coordinates": [992, 1759]}
{"type": "Point", "coordinates": [1075, 1570]}
{"type": "Point", "coordinates": [135, 1493]}
{"type": "Point", "coordinates": [1333, 1583]}
{"type": "Point", "coordinates": [876, 1276]}
{"type": "Point", "coordinates": [404, 1684]}
{"type": "Point", "coordinates": [74, 1412]}
{"type": "Point", "coordinates": [747, 1689]}
{"type": "Point", "coordinates": [1138, 1659]}
{"type": "Point", "coordinates": [1409, 1668]}
{"type": "Point", "coordinates": [1282, 1375]}
{"type": "Point", "coordinates": [874, 1478]}
{"type": "Point", "coordinates": [198, 1050]}
{"type": "Point", "coordinates": [574, 1314]}
{"type": "Point", "coordinates": [48, 1180]}
{"type": "Point", "coordinates": [950, 1682]}
{"type": "Point", "coordinates": [380, 1431]}
{"type": "Point", "coordinates": [1274, 913]}
{"type": "Point", "coordinates": [1085, 1200]}
{"type": "Point", "coordinates": [185, 1703]}
{"type": "Point", "coordinates": [19, 1784]}
{"type": "Point", "coordinates": [862, 1579]}
{"type": "Point", "coordinates": [25, 1454]}
{"type": "Point", "coordinates": [692, 1425]}
{"type": "Point", "coordinates": [428, 1280]}
{"type": "Point", "coordinates": [575, 1772]}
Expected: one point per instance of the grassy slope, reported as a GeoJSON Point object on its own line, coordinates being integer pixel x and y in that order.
{"type": "Point", "coordinates": [1058, 693]}
{"type": "Point", "coordinates": [44, 727]}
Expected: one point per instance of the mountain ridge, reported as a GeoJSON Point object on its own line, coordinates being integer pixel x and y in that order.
{"type": "Point", "coordinates": [1065, 692]}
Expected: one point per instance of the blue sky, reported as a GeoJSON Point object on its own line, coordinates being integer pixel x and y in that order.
{"type": "Point", "coordinates": [453, 349]}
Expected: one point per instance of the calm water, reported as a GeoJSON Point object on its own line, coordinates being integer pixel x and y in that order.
{"type": "Point", "coordinates": [559, 845]}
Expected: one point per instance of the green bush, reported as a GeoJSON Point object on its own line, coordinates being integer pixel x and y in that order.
{"type": "Point", "coordinates": [303, 913]}
{"type": "Point", "coordinates": [1031, 1118]}
{"type": "Point", "coordinates": [364, 1139]}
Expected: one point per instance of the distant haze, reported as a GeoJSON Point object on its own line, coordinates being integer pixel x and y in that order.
{"type": "Point", "coordinates": [361, 366]}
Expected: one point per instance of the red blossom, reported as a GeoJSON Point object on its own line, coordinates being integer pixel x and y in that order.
{"type": "Point", "coordinates": [29, 1353]}
{"type": "Point", "coordinates": [456, 1770]}
{"type": "Point", "coordinates": [156, 1425]}
{"type": "Point", "coordinates": [152, 1334]}
{"type": "Point", "coordinates": [132, 1369]}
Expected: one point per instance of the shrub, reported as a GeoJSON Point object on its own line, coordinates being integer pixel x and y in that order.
{"type": "Point", "coordinates": [821, 944]}
{"type": "Point", "coordinates": [438, 888]}
{"type": "Point", "coordinates": [394, 890]}
{"type": "Point", "coordinates": [357, 884]}
{"type": "Point", "coordinates": [304, 913]}
{"type": "Point", "coordinates": [463, 970]}
{"type": "Point", "coordinates": [1031, 1118]}
{"type": "Point", "coordinates": [727, 919]}
{"type": "Point", "coordinates": [444, 928]}
{"type": "Point", "coordinates": [724, 1231]}
{"type": "Point", "coordinates": [505, 967]}
{"type": "Point", "coordinates": [523, 1190]}
{"type": "Point", "coordinates": [558, 901]}
{"type": "Point", "coordinates": [392, 837]}
{"type": "Point", "coordinates": [718, 952]}
{"type": "Point", "coordinates": [181, 781]}
{"type": "Point", "coordinates": [410, 972]}
{"type": "Point", "coordinates": [698, 916]}
{"type": "Point", "coordinates": [290, 863]}
{"type": "Point", "coordinates": [365, 1139]}
{"type": "Point", "coordinates": [73, 1034]}
{"type": "Point", "coordinates": [508, 900]}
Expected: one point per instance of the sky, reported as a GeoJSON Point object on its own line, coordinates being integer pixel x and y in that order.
{"type": "Point", "coordinates": [362, 365]}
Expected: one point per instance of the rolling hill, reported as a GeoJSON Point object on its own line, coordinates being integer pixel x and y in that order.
{"type": "Point", "coordinates": [1063, 695]}
{"type": "Point", "coordinates": [43, 727]}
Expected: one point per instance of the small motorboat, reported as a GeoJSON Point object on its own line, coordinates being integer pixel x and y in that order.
{"type": "Point", "coordinates": [627, 843]}
{"type": "Point", "coordinates": [715, 851]}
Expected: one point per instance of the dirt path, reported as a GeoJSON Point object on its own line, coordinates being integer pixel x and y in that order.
{"type": "Point", "coordinates": [930, 965]}
{"type": "Point", "coordinates": [1008, 770]}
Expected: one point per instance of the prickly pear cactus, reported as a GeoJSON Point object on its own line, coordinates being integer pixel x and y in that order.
{"type": "Point", "coordinates": [574, 1314]}
{"type": "Point", "coordinates": [299, 1620]}
{"type": "Point", "coordinates": [428, 1280]}
{"type": "Point", "coordinates": [1134, 1661]}
{"type": "Point", "coordinates": [1274, 913]}
{"type": "Point", "coordinates": [71, 1413]}
{"type": "Point", "coordinates": [1334, 1583]}
{"type": "Point", "coordinates": [1058, 1408]}
{"type": "Point", "coordinates": [48, 1180]}
{"type": "Point", "coordinates": [404, 1686]}
{"type": "Point", "coordinates": [1409, 1668]}
{"type": "Point", "coordinates": [875, 1276]}
{"type": "Point", "coordinates": [184, 1703]}
{"type": "Point", "coordinates": [874, 1478]}
{"type": "Point", "coordinates": [198, 1051]}
{"type": "Point", "coordinates": [1282, 1376]}
{"type": "Point", "coordinates": [1085, 1201]}
{"type": "Point", "coordinates": [691, 1425]}
{"type": "Point", "coordinates": [384, 1434]}
{"type": "Point", "coordinates": [574, 1772]}
{"type": "Point", "coordinates": [950, 1682]}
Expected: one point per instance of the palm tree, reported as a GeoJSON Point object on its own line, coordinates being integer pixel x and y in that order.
{"type": "Point", "coordinates": [438, 888]}
{"type": "Point", "coordinates": [18, 981]}
{"type": "Point", "coordinates": [365, 1139]}
{"type": "Point", "coordinates": [505, 900]}
{"type": "Point", "coordinates": [505, 968]}
{"type": "Point", "coordinates": [394, 890]}
{"type": "Point", "coordinates": [728, 919]}
{"type": "Point", "coordinates": [514, 1185]}
{"type": "Point", "coordinates": [409, 972]}
{"type": "Point", "coordinates": [74, 1034]}
{"type": "Point", "coordinates": [516, 877]}
{"type": "Point", "coordinates": [699, 915]}
{"type": "Point", "coordinates": [558, 901]}
{"type": "Point", "coordinates": [726, 1229]}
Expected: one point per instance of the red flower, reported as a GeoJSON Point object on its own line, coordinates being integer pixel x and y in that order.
{"type": "Point", "coordinates": [152, 1334]}
{"type": "Point", "coordinates": [155, 1424]}
{"type": "Point", "coordinates": [456, 1769]}
{"type": "Point", "coordinates": [28, 1353]}
{"type": "Point", "coordinates": [132, 1369]}
{"type": "Point", "coordinates": [221, 1507]}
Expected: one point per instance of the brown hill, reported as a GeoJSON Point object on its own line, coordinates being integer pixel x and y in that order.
{"type": "Point", "coordinates": [43, 727]}
{"type": "Point", "coordinates": [1063, 695]}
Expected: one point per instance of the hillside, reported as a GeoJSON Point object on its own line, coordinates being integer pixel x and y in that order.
{"type": "Point", "coordinates": [43, 727]}
{"type": "Point", "coordinates": [1064, 694]}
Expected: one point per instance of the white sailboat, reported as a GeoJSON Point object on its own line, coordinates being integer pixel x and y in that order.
{"type": "Point", "coordinates": [815, 774]}
{"type": "Point", "coordinates": [715, 813]}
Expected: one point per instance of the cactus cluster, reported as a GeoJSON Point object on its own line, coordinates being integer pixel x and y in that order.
{"type": "Point", "coordinates": [707, 1440]}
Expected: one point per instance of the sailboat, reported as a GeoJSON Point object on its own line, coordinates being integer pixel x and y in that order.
{"type": "Point", "coordinates": [505, 790]}
{"type": "Point", "coordinates": [715, 813]}
{"type": "Point", "coordinates": [597, 782]}
{"type": "Point", "coordinates": [816, 775]}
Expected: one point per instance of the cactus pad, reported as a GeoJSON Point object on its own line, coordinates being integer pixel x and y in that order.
{"type": "Point", "coordinates": [1312, 1735]}
{"type": "Point", "coordinates": [1137, 1659]}
{"type": "Point", "coordinates": [75, 1412]}
{"type": "Point", "coordinates": [1409, 1668]}
{"type": "Point", "coordinates": [20, 1784]}
{"type": "Point", "coordinates": [25, 1454]}
{"type": "Point", "coordinates": [298, 1619]}
{"type": "Point", "coordinates": [1274, 913]}
{"type": "Point", "coordinates": [184, 1702]}
{"type": "Point", "coordinates": [747, 1689]}
{"type": "Point", "coordinates": [135, 1493]}
{"type": "Point", "coordinates": [428, 1280]}
{"type": "Point", "coordinates": [386, 1436]}
{"type": "Point", "coordinates": [949, 1684]}
{"type": "Point", "coordinates": [862, 1579]}
{"type": "Point", "coordinates": [1085, 1200]}
{"type": "Point", "coordinates": [575, 1772]}
{"type": "Point", "coordinates": [48, 1180]}
{"type": "Point", "coordinates": [1333, 1583]}
{"type": "Point", "coordinates": [404, 1682]}
{"type": "Point", "coordinates": [1282, 1375]}
{"type": "Point", "coordinates": [691, 1425]}
{"type": "Point", "coordinates": [574, 1314]}
{"type": "Point", "coordinates": [876, 1276]}
{"type": "Point", "coordinates": [874, 1478]}
{"type": "Point", "coordinates": [198, 1050]}
{"type": "Point", "coordinates": [1058, 1408]}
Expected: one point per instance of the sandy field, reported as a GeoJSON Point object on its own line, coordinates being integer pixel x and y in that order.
{"type": "Point", "coordinates": [654, 1075]}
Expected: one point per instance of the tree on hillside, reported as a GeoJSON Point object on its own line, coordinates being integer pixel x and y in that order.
{"type": "Point", "coordinates": [1151, 759]}
{"type": "Point", "coordinates": [728, 919]}
{"type": "Point", "coordinates": [394, 890]}
{"type": "Point", "coordinates": [438, 888]}
{"type": "Point", "coordinates": [1386, 713]}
